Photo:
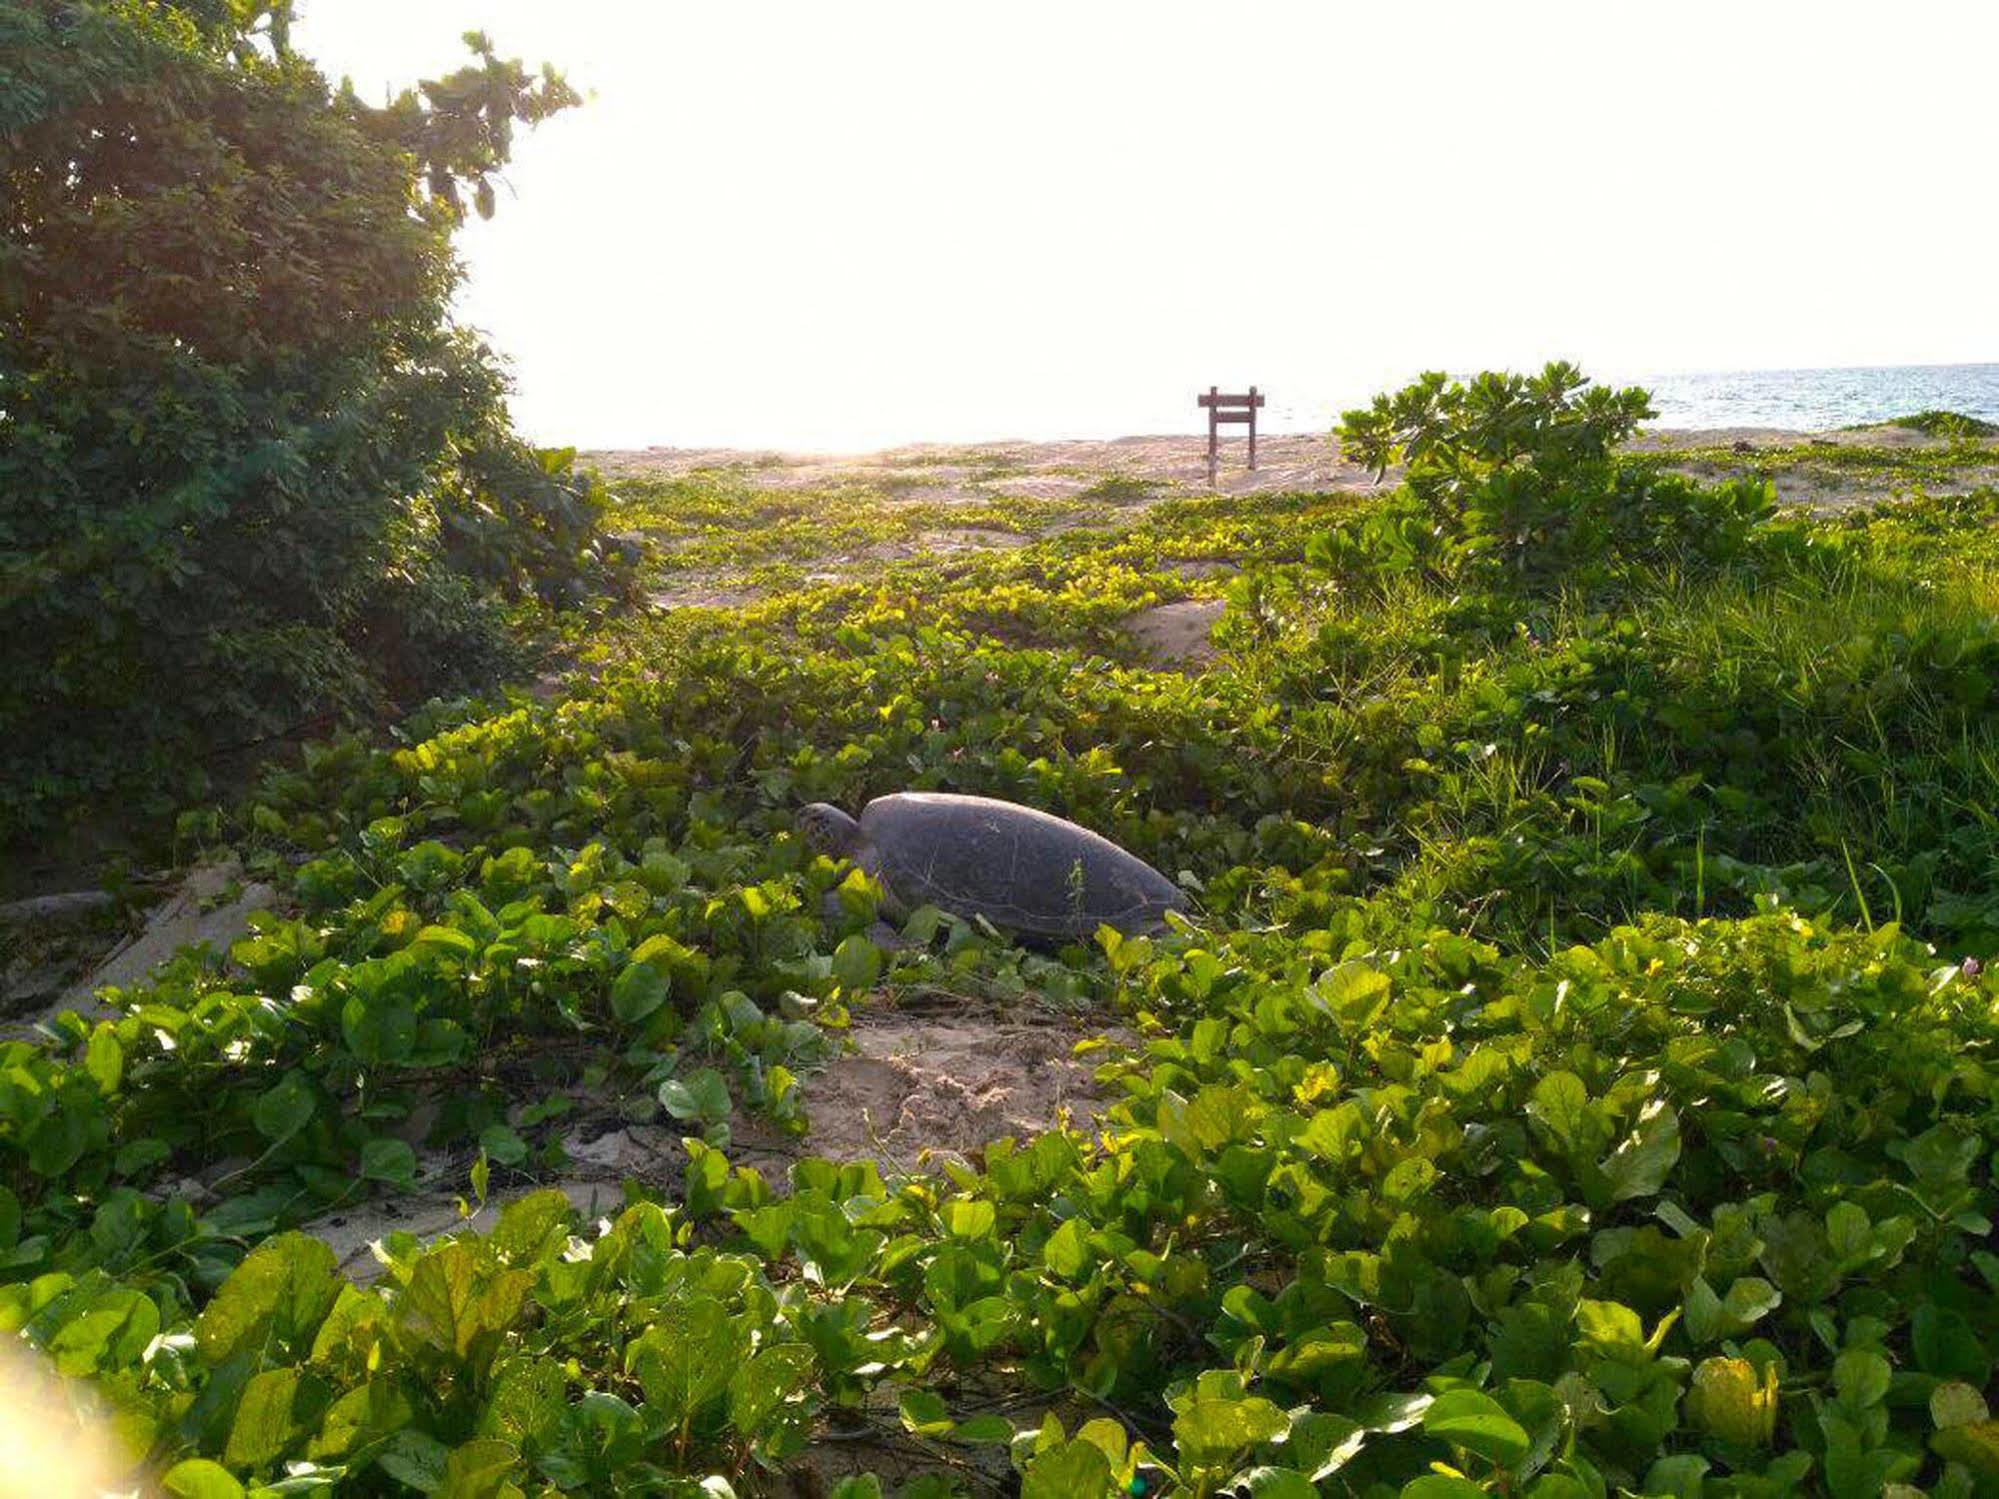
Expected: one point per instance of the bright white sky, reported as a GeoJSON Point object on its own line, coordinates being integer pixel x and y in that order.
{"type": "Point", "coordinates": [839, 225]}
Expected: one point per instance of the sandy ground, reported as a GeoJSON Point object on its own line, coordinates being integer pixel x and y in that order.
{"type": "Point", "coordinates": [1036, 470]}
{"type": "Point", "coordinates": [1675, 439]}
{"type": "Point", "coordinates": [212, 906]}
{"type": "Point", "coordinates": [1179, 634]}
{"type": "Point", "coordinates": [943, 1083]}
{"type": "Point", "coordinates": [1177, 466]}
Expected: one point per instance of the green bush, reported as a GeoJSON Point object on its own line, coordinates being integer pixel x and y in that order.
{"type": "Point", "coordinates": [1513, 478]}
{"type": "Point", "coordinates": [251, 472]}
{"type": "Point", "coordinates": [1952, 424]}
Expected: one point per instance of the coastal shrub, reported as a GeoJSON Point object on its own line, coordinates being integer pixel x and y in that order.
{"type": "Point", "coordinates": [254, 477]}
{"type": "Point", "coordinates": [1513, 477]}
{"type": "Point", "coordinates": [1953, 424]}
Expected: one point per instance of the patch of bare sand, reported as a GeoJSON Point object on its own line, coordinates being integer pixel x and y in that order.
{"type": "Point", "coordinates": [1195, 568]}
{"type": "Point", "coordinates": [1831, 490]}
{"type": "Point", "coordinates": [938, 494]}
{"type": "Point", "coordinates": [1285, 461]}
{"type": "Point", "coordinates": [1304, 462]}
{"type": "Point", "coordinates": [1757, 439]}
{"type": "Point", "coordinates": [918, 1086]}
{"type": "Point", "coordinates": [970, 539]}
{"type": "Point", "coordinates": [1039, 487]}
{"type": "Point", "coordinates": [1179, 634]}
{"type": "Point", "coordinates": [695, 593]}
{"type": "Point", "coordinates": [943, 543]}
{"type": "Point", "coordinates": [213, 906]}
{"type": "Point", "coordinates": [915, 1087]}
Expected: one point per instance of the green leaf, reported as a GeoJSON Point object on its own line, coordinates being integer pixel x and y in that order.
{"type": "Point", "coordinates": [857, 965]}
{"type": "Point", "coordinates": [988, 1429]}
{"type": "Point", "coordinates": [637, 992]}
{"type": "Point", "coordinates": [1067, 1470]}
{"type": "Point", "coordinates": [1975, 1444]}
{"type": "Point", "coordinates": [389, 1160]}
{"type": "Point", "coordinates": [762, 1386]}
{"type": "Point", "coordinates": [1957, 1404]}
{"type": "Point", "coordinates": [348, 1329]}
{"type": "Point", "coordinates": [703, 1096]}
{"type": "Point", "coordinates": [1278, 1483]}
{"type": "Point", "coordinates": [1946, 1344]}
{"type": "Point", "coordinates": [1441, 1486]}
{"type": "Point", "coordinates": [454, 1301]}
{"type": "Point", "coordinates": [1323, 1443]}
{"type": "Point", "coordinates": [1067, 1250]}
{"type": "Point", "coordinates": [1213, 1429]}
{"type": "Point", "coordinates": [685, 1360]}
{"type": "Point", "coordinates": [134, 1156]}
{"type": "Point", "coordinates": [286, 1108]}
{"type": "Point", "coordinates": [446, 939]}
{"type": "Point", "coordinates": [281, 1292]}
{"type": "Point", "coordinates": [532, 1226]}
{"type": "Point", "coordinates": [1680, 1476]}
{"type": "Point", "coordinates": [501, 1144]}
{"type": "Point", "coordinates": [366, 1414]}
{"type": "Point", "coordinates": [111, 1331]}
{"type": "Point", "coordinates": [1639, 1166]}
{"type": "Point", "coordinates": [1731, 1400]}
{"type": "Point", "coordinates": [267, 1420]}
{"type": "Point", "coordinates": [1861, 1376]}
{"type": "Point", "coordinates": [380, 1031]}
{"type": "Point", "coordinates": [1477, 1423]}
{"type": "Point", "coordinates": [104, 1059]}
{"type": "Point", "coordinates": [198, 1478]}
{"type": "Point", "coordinates": [924, 1413]}
{"type": "Point", "coordinates": [1560, 1105]}
{"type": "Point", "coordinates": [1710, 1317]}
{"type": "Point", "coordinates": [480, 1469]}
{"type": "Point", "coordinates": [416, 1458]}
{"type": "Point", "coordinates": [969, 1218]}
{"type": "Point", "coordinates": [1853, 1469]}
{"type": "Point", "coordinates": [528, 1403]}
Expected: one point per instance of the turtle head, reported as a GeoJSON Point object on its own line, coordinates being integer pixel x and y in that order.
{"type": "Point", "coordinates": [828, 830]}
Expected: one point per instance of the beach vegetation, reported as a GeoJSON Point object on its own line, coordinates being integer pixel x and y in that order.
{"type": "Point", "coordinates": [1576, 1076]}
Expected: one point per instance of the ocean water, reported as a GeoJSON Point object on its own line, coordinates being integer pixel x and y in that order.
{"type": "Point", "coordinates": [1815, 400]}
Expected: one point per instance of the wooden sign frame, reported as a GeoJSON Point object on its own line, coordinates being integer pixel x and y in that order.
{"type": "Point", "coordinates": [1236, 410]}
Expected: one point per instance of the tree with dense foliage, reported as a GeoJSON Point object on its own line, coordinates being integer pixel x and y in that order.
{"type": "Point", "coordinates": [252, 475]}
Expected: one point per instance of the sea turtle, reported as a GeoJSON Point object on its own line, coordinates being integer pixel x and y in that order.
{"type": "Point", "coordinates": [1022, 869]}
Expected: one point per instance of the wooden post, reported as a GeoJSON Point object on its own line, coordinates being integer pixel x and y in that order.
{"type": "Point", "coordinates": [1228, 408]}
{"type": "Point", "coordinates": [1214, 432]}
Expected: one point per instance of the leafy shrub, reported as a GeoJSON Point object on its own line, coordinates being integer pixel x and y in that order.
{"type": "Point", "coordinates": [1953, 424]}
{"type": "Point", "coordinates": [1513, 476]}
{"type": "Point", "coordinates": [243, 450]}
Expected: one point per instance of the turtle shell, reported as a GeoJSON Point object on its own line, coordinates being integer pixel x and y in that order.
{"type": "Point", "coordinates": [1022, 869]}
